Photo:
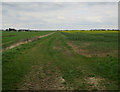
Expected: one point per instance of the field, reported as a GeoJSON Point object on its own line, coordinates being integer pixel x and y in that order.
{"type": "Point", "coordinates": [9, 38]}
{"type": "Point", "coordinates": [67, 60]}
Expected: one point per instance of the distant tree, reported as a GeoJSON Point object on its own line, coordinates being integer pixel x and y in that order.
{"type": "Point", "coordinates": [7, 30]}
{"type": "Point", "coordinates": [26, 30]}
{"type": "Point", "coordinates": [10, 29]}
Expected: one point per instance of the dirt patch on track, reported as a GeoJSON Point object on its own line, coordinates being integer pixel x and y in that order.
{"type": "Point", "coordinates": [66, 51]}
{"type": "Point", "coordinates": [59, 47]}
{"type": "Point", "coordinates": [26, 41]}
{"type": "Point", "coordinates": [95, 83]}
{"type": "Point", "coordinates": [42, 78]}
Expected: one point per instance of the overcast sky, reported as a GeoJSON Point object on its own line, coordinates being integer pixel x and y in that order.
{"type": "Point", "coordinates": [60, 15]}
{"type": "Point", "coordinates": [60, 0]}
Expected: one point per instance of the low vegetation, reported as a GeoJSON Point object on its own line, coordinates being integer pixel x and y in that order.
{"type": "Point", "coordinates": [9, 38]}
{"type": "Point", "coordinates": [64, 61]}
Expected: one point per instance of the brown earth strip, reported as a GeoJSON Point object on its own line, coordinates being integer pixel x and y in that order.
{"type": "Point", "coordinates": [90, 53]}
{"type": "Point", "coordinates": [95, 83]}
{"type": "Point", "coordinates": [78, 50]}
{"type": "Point", "coordinates": [43, 78]}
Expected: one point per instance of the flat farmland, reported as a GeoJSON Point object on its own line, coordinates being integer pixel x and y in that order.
{"type": "Point", "coordinates": [9, 38]}
{"type": "Point", "coordinates": [66, 60]}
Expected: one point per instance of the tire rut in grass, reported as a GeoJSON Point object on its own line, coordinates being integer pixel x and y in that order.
{"type": "Point", "coordinates": [94, 52]}
{"type": "Point", "coordinates": [43, 78]}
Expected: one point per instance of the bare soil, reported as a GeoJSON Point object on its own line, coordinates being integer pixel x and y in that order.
{"type": "Point", "coordinates": [78, 50]}
{"type": "Point", "coordinates": [95, 83]}
{"type": "Point", "coordinates": [90, 53]}
{"type": "Point", "coordinates": [40, 79]}
{"type": "Point", "coordinates": [59, 48]}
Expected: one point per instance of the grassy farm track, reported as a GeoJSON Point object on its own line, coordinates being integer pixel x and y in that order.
{"type": "Point", "coordinates": [51, 63]}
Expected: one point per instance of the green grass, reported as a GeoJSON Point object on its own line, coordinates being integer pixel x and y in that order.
{"type": "Point", "coordinates": [14, 68]}
{"type": "Point", "coordinates": [103, 42]}
{"type": "Point", "coordinates": [54, 50]}
{"type": "Point", "coordinates": [9, 38]}
{"type": "Point", "coordinates": [97, 41]}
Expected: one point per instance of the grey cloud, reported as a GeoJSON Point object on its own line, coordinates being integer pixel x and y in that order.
{"type": "Point", "coordinates": [101, 3]}
{"type": "Point", "coordinates": [56, 15]}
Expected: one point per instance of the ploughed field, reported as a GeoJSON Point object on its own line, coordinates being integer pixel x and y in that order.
{"type": "Point", "coordinates": [66, 60]}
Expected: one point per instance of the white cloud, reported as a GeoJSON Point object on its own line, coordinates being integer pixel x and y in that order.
{"type": "Point", "coordinates": [0, 15]}
{"type": "Point", "coordinates": [60, 0]}
{"type": "Point", "coordinates": [60, 15]}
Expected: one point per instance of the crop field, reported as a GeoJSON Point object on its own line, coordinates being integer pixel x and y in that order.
{"type": "Point", "coordinates": [65, 60]}
{"type": "Point", "coordinates": [9, 38]}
